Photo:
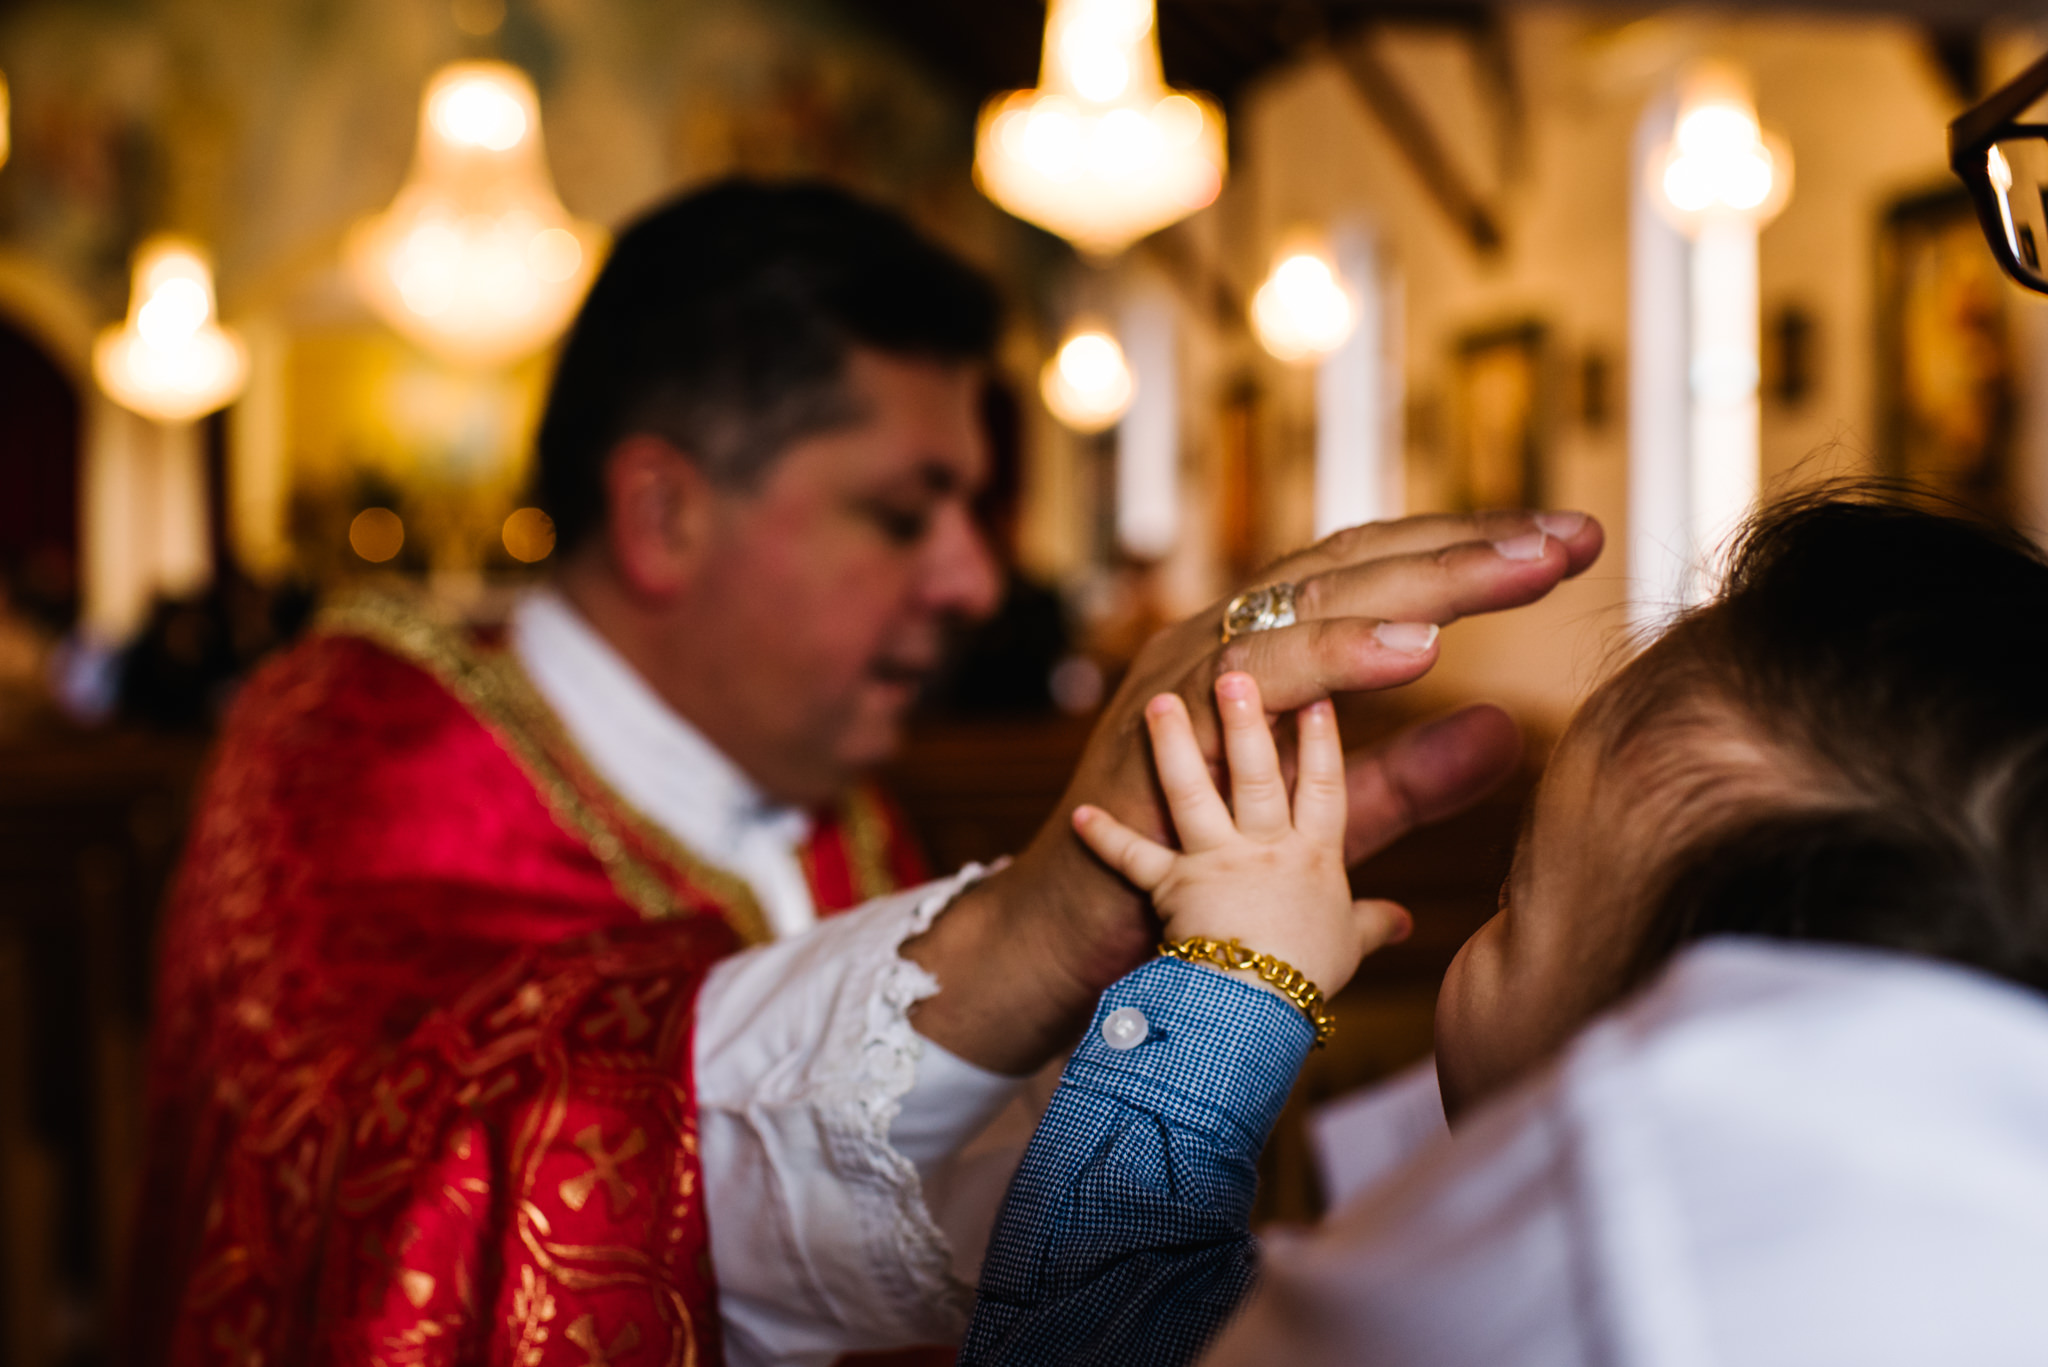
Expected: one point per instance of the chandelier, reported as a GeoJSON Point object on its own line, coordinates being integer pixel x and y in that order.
{"type": "Point", "coordinates": [476, 260]}
{"type": "Point", "coordinates": [1088, 384]}
{"type": "Point", "coordinates": [1303, 312]}
{"type": "Point", "coordinates": [1101, 152]}
{"type": "Point", "coordinates": [1720, 163]}
{"type": "Point", "coordinates": [172, 360]}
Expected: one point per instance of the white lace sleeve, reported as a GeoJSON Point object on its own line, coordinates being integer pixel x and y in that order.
{"type": "Point", "coordinates": [821, 1237]}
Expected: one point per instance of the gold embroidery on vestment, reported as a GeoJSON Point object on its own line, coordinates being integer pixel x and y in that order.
{"type": "Point", "coordinates": [418, 1287]}
{"type": "Point", "coordinates": [583, 1333]}
{"type": "Point", "coordinates": [604, 1167]}
{"type": "Point", "coordinates": [867, 845]}
{"type": "Point", "coordinates": [627, 1012]}
{"type": "Point", "coordinates": [495, 690]}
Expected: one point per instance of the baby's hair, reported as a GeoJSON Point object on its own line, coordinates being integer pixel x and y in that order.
{"type": "Point", "coordinates": [1895, 659]}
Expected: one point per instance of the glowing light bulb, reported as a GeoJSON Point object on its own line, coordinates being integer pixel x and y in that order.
{"type": "Point", "coordinates": [476, 260]}
{"type": "Point", "coordinates": [1100, 152]}
{"type": "Point", "coordinates": [1303, 312]}
{"type": "Point", "coordinates": [176, 310]}
{"type": "Point", "coordinates": [478, 110]}
{"type": "Point", "coordinates": [1095, 66]}
{"type": "Point", "coordinates": [1719, 161]}
{"type": "Point", "coordinates": [171, 360]}
{"type": "Point", "coordinates": [1088, 384]}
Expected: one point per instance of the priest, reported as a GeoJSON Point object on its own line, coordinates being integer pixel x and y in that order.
{"type": "Point", "coordinates": [503, 1014]}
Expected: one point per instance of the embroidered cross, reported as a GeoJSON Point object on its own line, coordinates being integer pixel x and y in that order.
{"type": "Point", "coordinates": [242, 1348]}
{"type": "Point", "coordinates": [583, 1333]}
{"type": "Point", "coordinates": [604, 1167]}
{"type": "Point", "coordinates": [626, 1013]}
{"type": "Point", "coordinates": [384, 1107]}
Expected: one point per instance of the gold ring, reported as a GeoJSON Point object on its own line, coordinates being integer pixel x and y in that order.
{"type": "Point", "coordinates": [1260, 609]}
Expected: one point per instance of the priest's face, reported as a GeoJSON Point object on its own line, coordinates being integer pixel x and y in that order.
{"type": "Point", "coordinates": [1577, 903]}
{"type": "Point", "coordinates": [826, 591]}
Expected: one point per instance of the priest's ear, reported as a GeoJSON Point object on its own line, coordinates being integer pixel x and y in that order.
{"type": "Point", "coordinates": [659, 514]}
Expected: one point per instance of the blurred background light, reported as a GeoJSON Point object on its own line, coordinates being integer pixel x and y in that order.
{"type": "Point", "coordinates": [1719, 159]}
{"type": "Point", "coordinates": [529, 535]}
{"type": "Point", "coordinates": [1303, 312]}
{"type": "Point", "coordinates": [478, 18]}
{"type": "Point", "coordinates": [1100, 152]}
{"type": "Point", "coordinates": [1088, 384]}
{"type": "Point", "coordinates": [376, 534]}
{"type": "Point", "coordinates": [1717, 178]}
{"type": "Point", "coordinates": [476, 260]}
{"type": "Point", "coordinates": [171, 361]}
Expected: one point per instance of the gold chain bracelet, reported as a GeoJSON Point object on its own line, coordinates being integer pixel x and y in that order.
{"type": "Point", "coordinates": [1288, 980]}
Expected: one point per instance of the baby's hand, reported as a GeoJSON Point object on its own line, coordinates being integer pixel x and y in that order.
{"type": "Point", "coordinates": [1252, 871]}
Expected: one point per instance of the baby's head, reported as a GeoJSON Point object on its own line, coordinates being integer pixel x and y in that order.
{"type": "Point", "coordinates": [1849, 744]}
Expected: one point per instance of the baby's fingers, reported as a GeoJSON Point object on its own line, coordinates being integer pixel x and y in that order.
{"type": "Point", "coordinates": [1258, 794]}
{"type": "Point", "coordinates": [1199, 816]}
{"type": "Point", "coordinates": [1146, 863]}
{"type": "Point", "coordinates": [1319, 775]}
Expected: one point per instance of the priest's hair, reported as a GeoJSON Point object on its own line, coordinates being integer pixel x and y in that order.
{"type": "Point", "coordinates": [723, 321]}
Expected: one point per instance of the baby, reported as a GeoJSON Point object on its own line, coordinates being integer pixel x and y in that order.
{"type": "Point", "coordinates": [1760, 1151]}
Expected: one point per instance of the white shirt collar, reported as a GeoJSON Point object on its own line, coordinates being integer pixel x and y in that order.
{"type": "Point", "coordinates": [658, 761]}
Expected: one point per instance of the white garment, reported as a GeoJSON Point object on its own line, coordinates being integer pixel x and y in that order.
{"type": "Point", "coordinates": [660, 763]}
{"type": "Point", "coordinates": [1360, 1138]}
{"type": "Point", "coordinates": [1779, 1155]}
{"type": "Point", "coordinates": [824, 1118]}
{"type": "Point", "coordinates": [820, 1232]}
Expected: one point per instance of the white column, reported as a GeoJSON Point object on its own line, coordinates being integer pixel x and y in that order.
{"type": "Point", "coordinates": [143, 505]}
{"type": "Point", "coordinates": [1660, 523]}
{"type": "Point", "coordinates": [1725, 415]}
{"type": "Point", "coordinates": [184, 531]}
{"type": "Point", "coordinates": [117, 558]}
{"type": "Point", "coordinates": [1358, 400]}
{"type": "Point", "coordinates": [1148, 438]}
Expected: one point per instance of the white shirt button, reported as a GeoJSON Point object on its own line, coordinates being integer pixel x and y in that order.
{"type": "Point", "coordinates": [1125, 1028]}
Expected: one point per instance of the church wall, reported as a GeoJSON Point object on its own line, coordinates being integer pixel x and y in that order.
{"type": "Point", "coordinates": [1864, 107]}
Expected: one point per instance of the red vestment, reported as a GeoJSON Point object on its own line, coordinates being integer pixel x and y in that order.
{"type": "Point", "coordinates": [421, 1079]}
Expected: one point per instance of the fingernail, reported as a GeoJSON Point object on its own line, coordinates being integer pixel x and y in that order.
{"type": "Point", "coordinates": [1403, 927]}
{"type": "Point", "coordinates": [1528, 546]}
{"type": "Point", "coordinates": [1410, 638]}
{"type": "Point", "coordinates": [1234, 685]}
{"type": "Point", "coordinates": [1159, 706]}
{"type": "Point", "coordinates": [1561, 525]}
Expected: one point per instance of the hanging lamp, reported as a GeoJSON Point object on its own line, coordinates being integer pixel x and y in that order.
{"type": "Point", "coordinates": [476, 260]}
{"type": "Point", "coordinates": [1304, 310]}
{"type": "Point", "coordinates": [1101, 152]}
{"type": "Point", "coordinates": [1088, 384]}
{"type": "Point", "coordinates": [172, 360]}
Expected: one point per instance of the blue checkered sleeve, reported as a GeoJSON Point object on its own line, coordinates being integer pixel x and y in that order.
{"type": "Point", "coordinates": [1125, 1237]}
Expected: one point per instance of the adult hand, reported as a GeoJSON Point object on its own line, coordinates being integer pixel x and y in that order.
{"type": "Point", "coordinates": [1022, 956]}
